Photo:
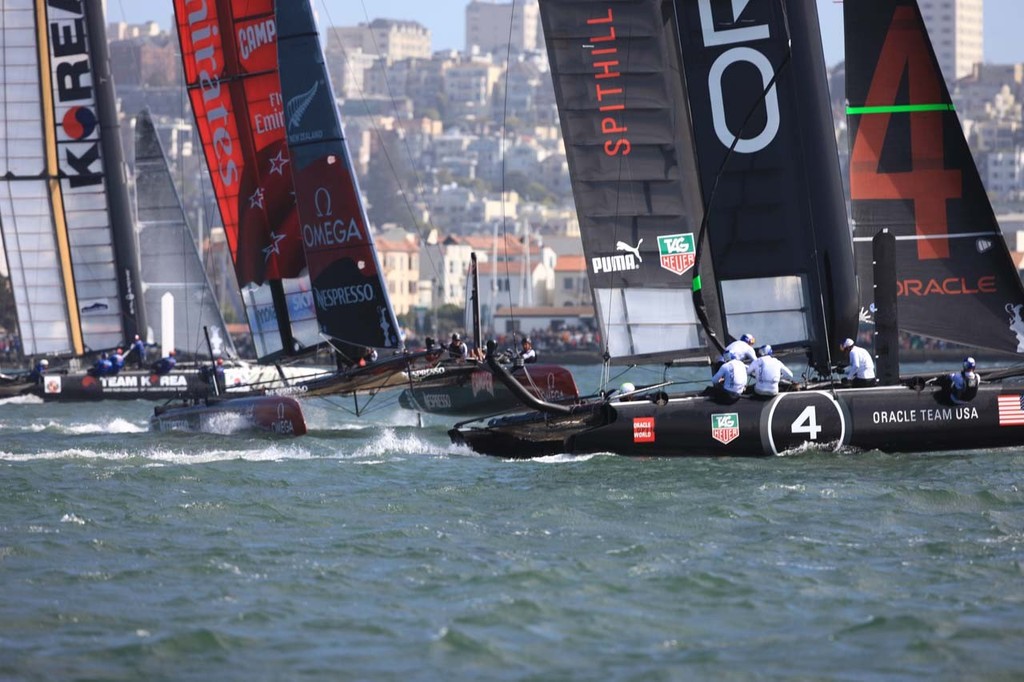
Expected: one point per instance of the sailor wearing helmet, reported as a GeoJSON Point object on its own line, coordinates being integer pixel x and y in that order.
{"type": "Point", "coordinates": [457, 349]}
{"type": "Point", "coordinates": [861, 371]}
{"type": "Point", "coordinates": [729, 381]}
{"type": "Point", "coordinates": [962, 386]}
{"type": "Point", "coordinates": [743, 348]}
{"type": "Point", "coordinates": [767, 372]}
{"type": "Point", "coordinates": [38, 372]}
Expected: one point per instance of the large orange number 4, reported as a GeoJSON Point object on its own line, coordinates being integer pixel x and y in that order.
{"type": "Point", "coordinates": [927, 183]}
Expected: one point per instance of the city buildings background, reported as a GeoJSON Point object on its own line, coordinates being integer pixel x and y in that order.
{"type": "Point", "coordinates": [459, 150]}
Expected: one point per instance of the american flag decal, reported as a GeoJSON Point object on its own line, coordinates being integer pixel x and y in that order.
{"type": "Point", "coordinates": [1011, 410]}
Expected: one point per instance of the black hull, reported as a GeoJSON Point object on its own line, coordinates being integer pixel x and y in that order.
{"type": "Point", "coordinates": [466, 389]}
{"type": "Point", "coordinates": [126, 385]}
{"type": "Point", "coordinates": [891, 418]}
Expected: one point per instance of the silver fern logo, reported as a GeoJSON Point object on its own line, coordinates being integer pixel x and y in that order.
{"type": "Point", "coordinates": [298, 105]}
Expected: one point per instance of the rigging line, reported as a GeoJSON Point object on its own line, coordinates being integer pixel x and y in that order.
{"type": "Point", "coordinates": [501, 154]}
{"type": "Point", "coordinates": [379, 135]}
{"type": "Point", "coordinates": [702, 233]}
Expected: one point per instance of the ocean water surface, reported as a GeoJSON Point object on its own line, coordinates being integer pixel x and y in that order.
{"type": "Point", "coordinates": [373, 549]}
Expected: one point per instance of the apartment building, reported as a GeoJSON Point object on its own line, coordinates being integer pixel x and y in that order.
{"type": "Point", "coordinates": [490, 26]}
{"type": "Point", "coordinates": [957, 31]}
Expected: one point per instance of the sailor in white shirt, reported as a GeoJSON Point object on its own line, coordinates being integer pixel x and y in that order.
{"type": "Point", "coordinates": [742, 348]}
{"type": "Point", "coordinates": [768, 371]}
{"type": "Point", "coordinates": [862, 366]}
{"type": "Point", "coordinates": [729, 381]}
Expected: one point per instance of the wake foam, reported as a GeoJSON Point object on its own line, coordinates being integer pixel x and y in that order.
{"type": "Point", "coordinates": [390, 443]}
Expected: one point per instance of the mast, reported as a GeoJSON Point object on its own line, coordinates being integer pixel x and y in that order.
{"type": "Point", "coordinates": [126, 252]}
{"type": "Point", "coordinates": [475, 302]}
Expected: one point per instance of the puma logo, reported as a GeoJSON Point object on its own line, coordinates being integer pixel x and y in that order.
{"type": "Point", "coordinates": [635, 250]}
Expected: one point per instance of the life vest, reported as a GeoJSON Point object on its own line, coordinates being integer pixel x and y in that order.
{"type": "Point", "coordinates": [970, 389]}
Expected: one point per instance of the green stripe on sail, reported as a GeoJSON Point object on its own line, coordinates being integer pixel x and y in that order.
{"type": "Point", "coordinates": [696, 284]}
{"type": "Point", "coordinates": [899, 109]}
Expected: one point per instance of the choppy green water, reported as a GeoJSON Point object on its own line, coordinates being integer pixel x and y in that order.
{"type": "Point", "coordinates": [374, 549]}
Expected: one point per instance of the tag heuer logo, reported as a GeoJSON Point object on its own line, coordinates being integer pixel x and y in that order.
{"type": "Point", "coordinates": [643, 429]}
{"type": "Point", "coordinates": [677, 251]}
{"type": "Point", "coordinates": [725, 428]}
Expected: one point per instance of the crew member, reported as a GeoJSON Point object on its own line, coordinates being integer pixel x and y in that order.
{"type": "Point", "coordinates": [369, 355]}
{"type": "Point", "coordinates": [139, 348]}
{"type": "Point", "coordinates": [529, 354]}
{"type": "Point", "coordinates": [457, 349]}
{"type": "Point", "coordinates": [38, 373]}
{"type": "Point", "coordinates": [729, 381]}
{"type": "Point", "coordinates": [861, 371]}
{"type": "Point", "coordinates": [962, 386]}
{"type": "Point", "coordinates": [102, 367]}
{"type": "Point", "coordinates": [218, 376]}
{"type": "Point", "coordinates": [116, 361]}
{"type": "Point", "coordinates": [743, 349]}
{"type": "Point", "coordinates": [165, 364]}
{"type": "Point", "coordinates": [768, 371]}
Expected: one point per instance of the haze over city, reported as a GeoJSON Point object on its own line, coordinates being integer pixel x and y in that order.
{"type": "Point", "coordinates": [446, 21]}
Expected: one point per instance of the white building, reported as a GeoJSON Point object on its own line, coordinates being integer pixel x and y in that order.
{"type": "Point", "coordinates": [1004, 173]}
{"type": "Point", "coordinates": [487, 26]}
{"type": "Point", "coordinates": [957, 32]}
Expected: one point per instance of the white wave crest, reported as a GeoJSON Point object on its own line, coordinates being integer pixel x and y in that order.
{"type": "Point", "coordinates": [390, 443]}
{"type": "Point", "coordinates": [564, 457]}
{"type": "Point", "coordinates": [167, 457]}
{"type": "Point", "coordinates": [116, 425]}
{"type": "Point", "coordinates": [22, 400]}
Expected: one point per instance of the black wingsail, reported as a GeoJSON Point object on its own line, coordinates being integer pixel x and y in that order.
{"type": "Point", "coordinates": [912, 173]}
{"type": "Point", "coordinates": [625, 121]}
{"type": "Point", "coordinates": [678, 112]}
{"type": "Point", "coordinates": [769, 169]}
{"type": "Point", "coordinates": [349, 291]}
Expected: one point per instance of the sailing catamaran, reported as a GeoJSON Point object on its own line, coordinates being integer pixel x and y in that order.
{"type": "Point", "coordinates": [290, 204]}
{"type": "Point", "coordinates": [464, 387]}
{"type": "Point", "coordinates": [65, 213]}
{"type": "Point", "coordinates": [737, 139]}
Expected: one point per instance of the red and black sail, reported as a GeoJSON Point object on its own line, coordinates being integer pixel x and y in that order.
{"type": "Point", "coordinates": [911, 172]}
{"type": "Point", "coordinates": [349, 292]}
{"type": "Point", "coordinates": [229, 52]}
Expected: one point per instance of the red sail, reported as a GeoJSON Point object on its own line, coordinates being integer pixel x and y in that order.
{"type": "Point", "coordinates": [229, 51]}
